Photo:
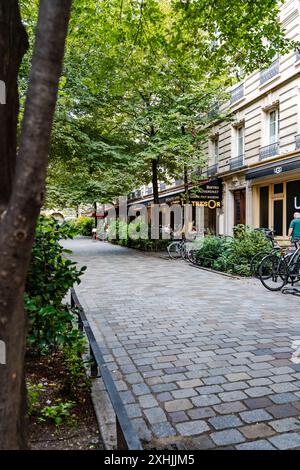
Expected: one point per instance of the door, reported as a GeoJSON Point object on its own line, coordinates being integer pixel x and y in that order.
{"type": "Point", "coordinates": [278, 217]}
{"type": "Point", "coordinates": [239, 206]}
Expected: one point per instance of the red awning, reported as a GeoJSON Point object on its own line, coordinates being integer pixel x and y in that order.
{"type": "Point", "coordinates": [100, 215]}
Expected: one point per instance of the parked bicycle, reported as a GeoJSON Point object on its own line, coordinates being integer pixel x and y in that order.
{"type": "Point", "coordinates": [280, 268]}
{"type": "Point", "coordinates": [177, 249]}
{"type": "Point", "coordinates": [258, 257]}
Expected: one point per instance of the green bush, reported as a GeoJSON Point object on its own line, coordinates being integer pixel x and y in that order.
{"type": "Point", "coordinates": [84, 225]}
{"type": "Point", "coordinates": [244, 247]}
{"type": "Point", "coordinates": [49, 278]}
{"type": "Point", "coordinates": [232, 255]}
{"type": "Point", "coordinates": [117, 227]}
{"type": "Point", "coordinates": [212, 249]}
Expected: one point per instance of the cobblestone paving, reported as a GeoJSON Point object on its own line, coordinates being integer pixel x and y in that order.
{"type": "Point", "coordinates": [200, 359]}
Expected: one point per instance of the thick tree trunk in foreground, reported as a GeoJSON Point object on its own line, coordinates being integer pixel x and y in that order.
{"type": "Point", "coordinates": [17, 227]}
{"type": "Point", "coordinates": [13, 45]}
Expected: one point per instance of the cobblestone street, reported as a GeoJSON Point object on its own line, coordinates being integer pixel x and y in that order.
{"type": "Point", "coordinates": [200, 359]}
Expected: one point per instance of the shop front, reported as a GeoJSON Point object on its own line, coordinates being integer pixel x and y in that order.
{"type": "Point", "coordinates": [276, 194]}
{"type": "Point", "coordinates": [205, 200]}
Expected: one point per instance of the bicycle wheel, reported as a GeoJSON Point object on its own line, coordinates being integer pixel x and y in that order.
{"type": "Point", "coordinates": [255, 263]}
{"type": "Point", "coordinates": [192, 256]}
{"type": "Point", "coordinates": [273, 272]}
{"type": "Point", "coordinates": [174, 250]}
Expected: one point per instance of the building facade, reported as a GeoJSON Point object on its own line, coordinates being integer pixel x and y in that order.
{"type": "Point", "coordinates": [255, 156]}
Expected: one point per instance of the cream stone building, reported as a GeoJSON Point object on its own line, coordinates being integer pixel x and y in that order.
{"type": "Point", "coordinates": [257, 154]}
{"type": "Point", "coordinates": [255, 157]}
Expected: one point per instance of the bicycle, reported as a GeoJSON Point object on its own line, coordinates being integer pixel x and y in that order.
{"type": "Point", "coordinates": [280, 268]}
{"type": "Point", "coordinates": [176, 249]}
{"type": "Point", "coordinates": [258, 257]}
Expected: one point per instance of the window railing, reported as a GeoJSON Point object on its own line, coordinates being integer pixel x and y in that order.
{"type": "Point", "coordinates": [236, 162]}
{"type": "Point", "coordinates": [270, 72]}
{"type": "Point", "coordinates": [269, 151]}
{"type": "Point", "coordinates": [297, 53]}
{"type": "Point", "coordinates": [297, 141]}
{"type": "Point", "coordinates": [237, 93]}
{"type": "Point", "coordinates": [178, 182]}
{"type": "Point", "coordinates": [150, 190]}
{"type": "Point", "coordinates": [138, 193]}
{"type": "Point", "coordinates": [212, 170]}
{"type": "Point", "coordinates": [162, 186]}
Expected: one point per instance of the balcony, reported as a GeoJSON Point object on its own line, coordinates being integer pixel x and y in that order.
{"type": "Point", "coordinates": [297, 141]}
{"type": "Point", "coordinates": [162, 186]}
{"type": "Point", "coordinates": [212, 170]}
{"type": "Point", "coordinates": [237, 93]}
{"type": "Point", "coordinates": [269, 151]}
{"type": "Point", "coordinates": [272, 71]}
{"type": "Point", "coordinates": [150, 190]}
{"type": "Point", "coordinates": [236, 163]}
{"type": "Point", "coordinates": [138, 193]}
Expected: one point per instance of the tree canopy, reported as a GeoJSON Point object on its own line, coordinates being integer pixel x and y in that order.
{"type": "Point", "coordinates": [140, 77]}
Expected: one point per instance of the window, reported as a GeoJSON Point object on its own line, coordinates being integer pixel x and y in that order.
{"type": "Point", "coordinates": [273, 126]}
{"type": "Point", "coordinates": [240, 141]}
{"type": "Point", "coordinates": [215, 150]}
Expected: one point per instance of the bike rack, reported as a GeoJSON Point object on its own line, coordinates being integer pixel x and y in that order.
{"type": "Point", "coordinates": [127, 438]}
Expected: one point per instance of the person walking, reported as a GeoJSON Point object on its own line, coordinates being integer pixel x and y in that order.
{"type": "Point", "coordinates": [294, 230]}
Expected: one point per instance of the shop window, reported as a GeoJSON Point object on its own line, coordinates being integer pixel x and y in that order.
{"type": "Point", "coordinates": [264, 207]}
{"type": "Point", "coordinates": [292, 200]}
{"type": "Point", "coordinates": [278, 217]}
{"type": "Point", "coordinates": [278, 188]}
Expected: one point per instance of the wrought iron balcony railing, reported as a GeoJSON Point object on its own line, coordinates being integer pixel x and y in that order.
{"type": "Point", "coordinates": [297, 140]}
{"type": "Point", "coordinates": [162, 186]}
{"type": "Point", "coordinates": [237, 93]}
{"type": "Point", "coordinates": [270, 72]}
{"type": "Point", "coordinates": [236, 162]}
{"type": "Point", "coordinates": [297, 54]}
{"type": "Point", "coordinates": [269, 151]}
{"type": "Point", "coordinates": [150, 190]}
{"type": "Point", "coordinates": [178, 182]}
{"type": "Point", "coordinates": [212, 170]}
{"type": "Point", "coordinates": [138, 193]}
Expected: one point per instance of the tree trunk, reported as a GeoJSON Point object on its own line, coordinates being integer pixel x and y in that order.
{"type": "Point", "coordinates": [186, 185]}
{"type": "Point", "coordinates": [95, 218]}
{"type": "Point", "coordinates": [155, 182]}
{"type": "Point", "coordinates": [185, 174]}
{"type": "Point", "coordinates": [13, 45]}
{"type": "Point", "coordinates": [17, 226]}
